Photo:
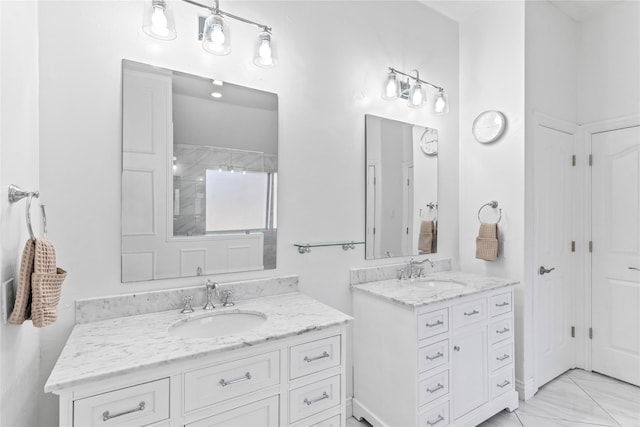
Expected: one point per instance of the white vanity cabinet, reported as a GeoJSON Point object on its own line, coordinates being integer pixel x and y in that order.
{"type": "Point", "coordinates": [430, 365]}
{"type": "Point", "coordinates": [298, 382]}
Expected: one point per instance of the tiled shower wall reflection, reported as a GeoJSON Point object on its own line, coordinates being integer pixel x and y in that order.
{"type": "Point", "coordinates": [189, 191]}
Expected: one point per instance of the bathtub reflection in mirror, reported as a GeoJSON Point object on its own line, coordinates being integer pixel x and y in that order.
{"type": "Point", "coordinates": [199, 178]}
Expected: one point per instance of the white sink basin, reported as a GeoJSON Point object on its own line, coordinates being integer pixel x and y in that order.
{"type": "Point", "coordinates": [217, 324]}
{"type": "Point", "coordinates": [438, 284]}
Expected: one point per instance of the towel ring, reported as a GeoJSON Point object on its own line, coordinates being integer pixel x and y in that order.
{"type": "Point", "coordinates": [16, 194]}
{"type": "Point", "coordinates": [492, 204]}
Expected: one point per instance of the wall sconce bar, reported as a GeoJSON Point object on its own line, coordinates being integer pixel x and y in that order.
{"type": "Point", "coordinates": [415, 94]}
{"type": "Point", "coordinates": [158, 22]}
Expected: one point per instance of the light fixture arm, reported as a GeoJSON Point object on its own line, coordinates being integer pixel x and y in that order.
{"type": "Point", "coordinates": [416, 78]}
{"type": "Point", "coordinates": [216, 9]}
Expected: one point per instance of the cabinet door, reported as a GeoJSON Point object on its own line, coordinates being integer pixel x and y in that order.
{"type": "Point", "coordinates": [263, 413]}
{"type": "Point", "coordinates": [469, 370]}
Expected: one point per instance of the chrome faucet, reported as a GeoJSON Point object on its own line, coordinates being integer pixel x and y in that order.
{"type": "Point", "coordinates": [412, 263]}
{"type": "Point", "coordinates": [211, 287]}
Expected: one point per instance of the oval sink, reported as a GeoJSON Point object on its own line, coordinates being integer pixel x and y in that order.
{"type": "Point", "coordinates": [438, 284]}
{"type": "Point", "coordinates": [216, 325]}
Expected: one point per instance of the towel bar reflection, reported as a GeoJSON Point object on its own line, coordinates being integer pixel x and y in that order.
{"type": "Point", "coordinates": [492, 204]}
{"type": "Point", "coordinates": [15, 195]}
{"type": "Point", "coordinates": [305, 248]}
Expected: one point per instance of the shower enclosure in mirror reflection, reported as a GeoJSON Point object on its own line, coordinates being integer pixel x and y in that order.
{"type": "Point", "coordinates": [401, 188]}
{"type": "Point", "coordinates": [199, 175]}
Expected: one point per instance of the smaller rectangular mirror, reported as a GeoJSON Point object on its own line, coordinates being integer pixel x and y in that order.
{"type": "Point", "coordinates": [401, 188]}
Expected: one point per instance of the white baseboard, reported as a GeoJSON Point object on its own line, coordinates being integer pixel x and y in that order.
{"type": "Point", "coordinates": [349, 407]}
{"type": "Point", "coordinates": [526, 389]}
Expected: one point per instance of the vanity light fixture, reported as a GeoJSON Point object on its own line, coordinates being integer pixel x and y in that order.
{"type": "Point", "coordinates": [415, 94]}
{"type": "Point", "coordinates": [158, 22]}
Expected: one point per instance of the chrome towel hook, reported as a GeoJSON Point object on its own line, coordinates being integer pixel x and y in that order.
{"type": "Point", "coordinates": [492, 204]}
{"type": "Point", "coordinates": [15, 195]}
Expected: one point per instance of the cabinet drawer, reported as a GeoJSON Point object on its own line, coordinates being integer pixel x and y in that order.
{"type": "Point", "coordinates": [433, 387]}
{"type": "Point", "coordinates": [433, 355]}
{"type": "Point", "coordinates": [314, 356]}
{"type": "Point", "coordinates": [210, 385]}
{"type": "Point", "coordinates": [469, 313]}
{"type": "Point", "coordinates": [313, 398]}
{"type": "Point", "coordinates": [501, 330]}
{"type": "Point", "coordinates": [434, 323]}
{"type": "Point", "coordinates": [502, 356]}
{"type": "Point", "coordinates": [500, 304]}
{"type": "Point", "coordinates": [438, 416]}
{"type": "Point", "coordinates": [501, 382]}
{"type": "Point", "coordinates": [263, 413]}
{"type": "Point", "coordinates": [138, 405]}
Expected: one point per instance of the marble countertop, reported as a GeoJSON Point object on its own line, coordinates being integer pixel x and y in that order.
{"type": "Point", "coordinates": [114, 347]}
{"type": "Point", "coordinates": [420, 292]}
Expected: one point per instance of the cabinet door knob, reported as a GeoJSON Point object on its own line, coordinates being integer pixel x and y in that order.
{"type": "Point", "coordinates": [456, 348]}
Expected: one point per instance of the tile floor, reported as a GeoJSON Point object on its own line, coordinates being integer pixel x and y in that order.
{"type": "Point", "coordinates": [575, 399]}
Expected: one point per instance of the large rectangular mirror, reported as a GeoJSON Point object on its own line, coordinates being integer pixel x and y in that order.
{"type": "Point", "coordinates": [199, 175]}
{"type": "Point", "coordinates": [401, 188]}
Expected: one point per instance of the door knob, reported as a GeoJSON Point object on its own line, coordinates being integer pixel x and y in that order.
{"type": "Point", "coordinates": [543, 270]}
{"type": "Point", "coordinates": [634, 268]}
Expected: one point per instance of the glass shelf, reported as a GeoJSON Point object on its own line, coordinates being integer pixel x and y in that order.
{"type": "Point", "coordinates": [305, 248]}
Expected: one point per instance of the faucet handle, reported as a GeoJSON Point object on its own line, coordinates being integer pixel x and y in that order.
{"type": "Point", "coordinates": [187, 304]}
{"type": "Point", "coordinates": [227, 294]}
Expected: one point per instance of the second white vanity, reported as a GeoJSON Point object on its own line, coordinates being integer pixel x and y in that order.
{"type": "Point", "coordinates": [143, 371]}
{"type": "Point", "coordinates": [433, 351]}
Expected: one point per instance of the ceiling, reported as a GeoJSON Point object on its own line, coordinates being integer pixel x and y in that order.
{"type": "Point", "coordinates": [461, 10]}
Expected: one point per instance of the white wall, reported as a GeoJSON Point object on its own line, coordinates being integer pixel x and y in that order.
{"type": "Point", "coordinates": [19, 345]}
{"type": "Point", "coordinates": [609, 64]}
{"type": "Point", "coordinates": [333, 60]}
{"type": "Point", "coordinates": [492, 78]}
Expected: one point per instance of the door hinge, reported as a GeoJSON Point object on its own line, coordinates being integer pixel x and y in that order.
{"type": "Point", "coordinates": [590, 333]}
{"type": "Point", "coordinates": [573, 332]}
{"type": "Point", "coordinates": [573, 246]}
{"type": "Point", "coordinates": [590, 246]}
{"type": "Point", "coordinates": [407, 230]}
{"type": "Point", "coordinates": [573, 160]}
{"type": "Point", "coordinates": [408, 184]}
{"type": "Point", "coordinates": [374, 231]}
{"type": "Point", "coordinates": [590, 159]}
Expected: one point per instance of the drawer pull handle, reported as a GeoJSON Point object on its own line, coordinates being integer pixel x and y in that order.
{"type": "Point", "coordinates": [312, 359]}
{"type": "Point", "coordinates": [503, 304]}
{"type": "Point", "coordinates": [324, 396]}
{"type": "Point", "coordinates": [472, 313]}
{"type": "Point", "coordinates": [438, 387]}
{"type": "Point", "coordinates": [504, 384]}
{"type": "Point", "coordinates": [500, 359]}
{"type": "Point", "coordinates": [436, 421]}
{"type": "Point", "coordinates": [245, 377]}
{"type": "Point", "coordinates": [433, 325]}
{"type": "Point", "coordinates": [438, 355]}
{"type": "Point", "coordinates": [106, 416]}
{"type": "Point", "coordinates": [503, 331]}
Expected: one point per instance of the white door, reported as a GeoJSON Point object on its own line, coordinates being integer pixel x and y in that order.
{"type": "Point", "coordinates": [554, 184]}
{"type": "Point", "coordinates": [469, 371]}
{"type": "Point", "coordinates": [616, 254]}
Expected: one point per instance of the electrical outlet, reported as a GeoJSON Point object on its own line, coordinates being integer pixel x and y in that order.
{"type": "Point", "coordinates": [8, 298]}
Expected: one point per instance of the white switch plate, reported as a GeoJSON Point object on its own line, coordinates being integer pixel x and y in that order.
{"type": "Point", "coordinates": [8, 298]}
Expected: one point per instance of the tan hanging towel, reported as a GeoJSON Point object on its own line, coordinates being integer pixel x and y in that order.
{"type": "Point", "coordinates": [46, 284]}
{"type": "Point", "coordinates": [425, 239]}
{"type": "Point", "coordinates": [22, 305]}
{"type": "Point", "coordinates": [487, 242]}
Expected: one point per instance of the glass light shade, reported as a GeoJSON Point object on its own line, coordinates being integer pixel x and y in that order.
{"type": "Point", "coordinates": [216, 38]}
{"type": "Point", "coordinates": [391, 88]}
{"type": "Point", "coordinates": [265, 55]}
{"type": "Point", "coordinates": [441, 103]}
{"type": "Point", "coordinates": [158, 21]}
{"type": "Point", "coordinates": [417, 96]}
